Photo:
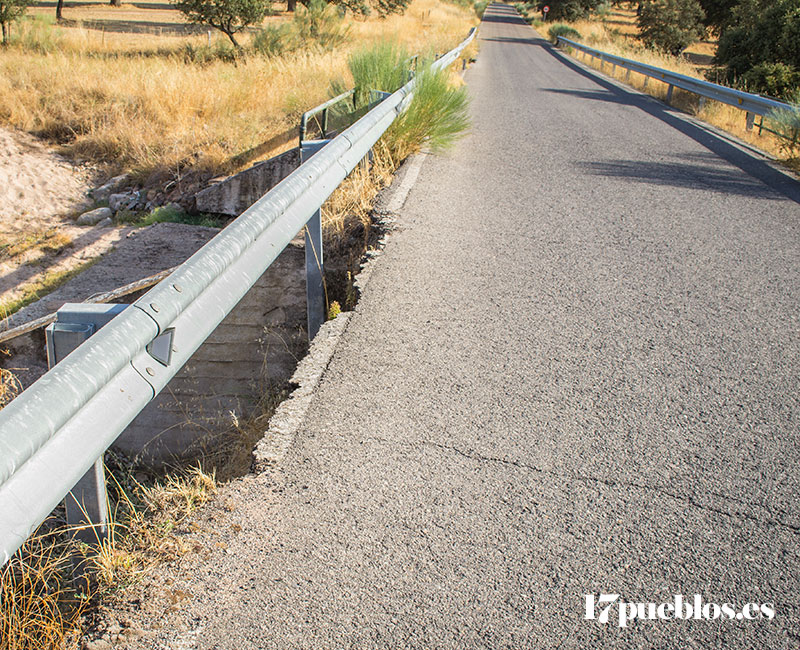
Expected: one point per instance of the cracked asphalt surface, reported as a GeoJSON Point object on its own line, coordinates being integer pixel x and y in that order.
{"type": "Point", "coordinates": [574, 370]}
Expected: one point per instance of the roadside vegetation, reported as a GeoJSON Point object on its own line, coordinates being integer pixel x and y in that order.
{"type": "Point", "coordinates": [160, 106]}
{"type": "Point", "coordinates": [748, 44]}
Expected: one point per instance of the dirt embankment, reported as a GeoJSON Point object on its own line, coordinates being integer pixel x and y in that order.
{"type": "Point", "coordinates": [39, 193]}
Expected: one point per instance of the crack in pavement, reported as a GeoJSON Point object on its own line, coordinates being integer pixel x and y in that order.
{"type": "Point", "coordinates": [688, 499]}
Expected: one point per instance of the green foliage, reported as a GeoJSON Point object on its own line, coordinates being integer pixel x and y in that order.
{"type": "Point", "coordinates": [437, 116]}
{"type": "Point", "coordinates": [569, 10]}
{"type": "Point", "coordinates": [773, 79]}
{"type": "Point", "coordinates": [762, 32]}
{"type": "Point", "coordinates": [228, 16]}
{"type": "Point", "coordinates": [38, 34]}
{"type": "Point", "coordinates": [173, 214]}
{"type": "Point", "coordinates": [274, 40]}
{"type": "Point", "coordinates": [334, 310]}
{"type": "Point", "coordinates": [204, 54]}
{"type": "Point", "coordinates": [603, 10]}
{"type": "Point", "coordinates": [670, 25]}
{"type": "Point", "coordinates": [786, 124]}
{"type": "Point", "coordinates": [480, 7]}
{"type": "Point", "coordinates": [718, 13]}
{"type": "Point", "coordinates": [387, 7]}
{"type": "Point", "coordinates": [320, 23]}
{"type": "Point", "coordinates": [383, 66]}
{"type": "Point", "coordinates": [564, 31]}
{"type": "Point", "coordinates": [10, 11]}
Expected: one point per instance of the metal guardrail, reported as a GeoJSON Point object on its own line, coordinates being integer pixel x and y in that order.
{"type": "Point", "coordinates": [325, 110]}
{"type": "Point", "coordinates": [342, 117]}
{"type": "Point", "coordinates": [52, 433]}
{"type": "Point", "coordinates": [752, 104]}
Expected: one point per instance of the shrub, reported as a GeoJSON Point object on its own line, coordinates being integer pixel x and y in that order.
{"type": "Point", "coordinates": [480, 7]}
{"type": "Point", "coordinates": [761, 33]}
{"type": "Point", "coordinates": [274, 40]}
{"type": "Point", "coordinates": [565, 31]}
{"type": "Point", "coordinates": [437, 116]}
{"type": "Point", "coordinates": [387, 7]}
{"type": "Point", "coordinates": [775, 79]}
{"type": "Point", "coordinates": [320, 23]}
{"type": "Point", "coordinates": [203, 54]}
{"type": "Point", "coordinates": [786, 124]}
{"type": "Point", "coordinates": [670, 25]}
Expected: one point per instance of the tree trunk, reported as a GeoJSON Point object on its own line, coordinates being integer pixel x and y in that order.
{"type": "Point", "coordinates": [233, 40]}
{"type": "Point", "coordinates": [291, 5]}
{"type": "Point", "coordinates": [59, 8]}
{"type": "Point", "coordinates": [5, 36]}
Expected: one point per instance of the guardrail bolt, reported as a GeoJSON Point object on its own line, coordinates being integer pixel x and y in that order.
{"type": "Point", "coordinates": [150, 371]}
{"type": "Point", "coordinates": [154, 307]}
{"type": "Point", "coordinates": [177, 287]}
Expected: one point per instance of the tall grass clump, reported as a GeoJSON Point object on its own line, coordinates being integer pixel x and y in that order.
{"type": "Point", "coordinates": [383, 66]}
{"type": "Point", "coordinates": [38, 607]}
{"type": "Point", "coordinates": [437, 116]}
{"type": "Point", "coordinates": [40, 34]}
{"type": "Point", "coordinates": [786, 124]}
{"type": "Point", "coordinates": [565, 31]}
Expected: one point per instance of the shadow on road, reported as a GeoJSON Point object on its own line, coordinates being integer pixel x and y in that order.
{"type": "Point", "coordinates": [717, 143]}
{"type": "Point", "coordinates": [503, 14]}
{"type": "Point", "coordinates": [501, 39]}
{"type": "Point", "coordinates": [684, 174]}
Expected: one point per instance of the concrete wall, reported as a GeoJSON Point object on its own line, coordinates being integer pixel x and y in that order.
{"type": "Point", "coordinates": [254, 349]}
{"type": "Point", "coordinates": [235, 194]}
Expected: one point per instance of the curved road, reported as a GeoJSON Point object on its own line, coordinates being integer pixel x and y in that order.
{"type": "Point", "coordinates": [573, 371]}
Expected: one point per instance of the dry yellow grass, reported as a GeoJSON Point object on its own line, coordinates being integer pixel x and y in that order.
{"type": "Point", "coordinates": [133, 101]}
{"type": "Point", "coordinates": [40, 609]}
{"type": "Point", "coordinates": [618, 35]}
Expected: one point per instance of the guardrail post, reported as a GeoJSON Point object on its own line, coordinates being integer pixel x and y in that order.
{"type": "Point", "coordinates": [628, 76]}
{"type": "Point", "coordinates": [702, 104]}
{"type": "Point", "coordinates": [614, 69]}
{"type": "Point", "coordinates": [669, 93]}
{"type": "Point", "coordinates": [315, 269]}
{"type": "Point", "coordinates": [751, 118]}
{"type": "Point", "coordinates": [87, 504]}
{"type": "Point", "coordinates": [324, 122]}
{"type": "Point", "coordinates": [646, 81]}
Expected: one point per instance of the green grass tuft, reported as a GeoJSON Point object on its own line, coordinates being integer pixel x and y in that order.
{"type": "Point", "coordinates": [383, 66]}
{"type": "Point", "coordinates": [437, 116]}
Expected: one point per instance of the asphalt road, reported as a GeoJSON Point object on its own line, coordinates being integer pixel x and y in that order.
{"type": "Point", "coordinates": [573, 371]}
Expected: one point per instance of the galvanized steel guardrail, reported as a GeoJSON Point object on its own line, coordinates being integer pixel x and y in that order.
{"type": "Point", "coordinates": [752, 104]}
{"type": "Point", "coordinates": [53, 432]}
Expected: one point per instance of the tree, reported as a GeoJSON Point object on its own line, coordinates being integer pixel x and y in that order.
{"type": "Point", "coordinates": [569, 10]}
{"type": "Point", "coordinates": [760, 50]}
{"type": "Point", "coordinates": [719, 13]}
{"type": "Point", "coordinates": [228, 16]}
{"type": "Point", "coordinates": [10, 10]}
{"type": "Point", "coordinates": [670, 25]}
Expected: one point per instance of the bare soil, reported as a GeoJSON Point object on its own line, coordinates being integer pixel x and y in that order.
{"type": "Point", "coordinates": [40, 193]}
